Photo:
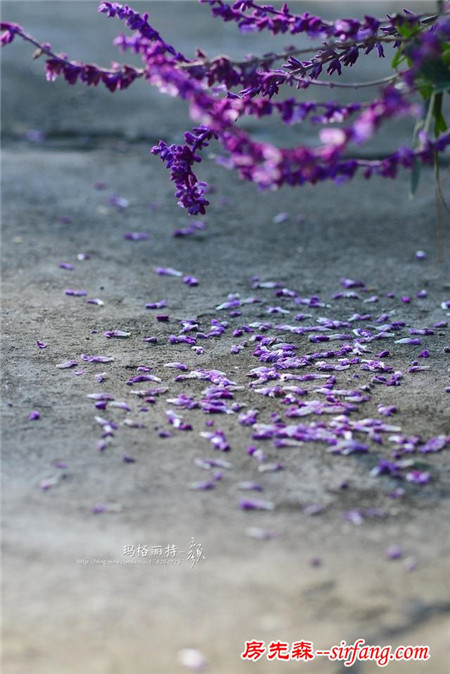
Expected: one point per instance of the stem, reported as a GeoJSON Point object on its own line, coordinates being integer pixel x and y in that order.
{"type": "Point", "coordinates": [48, 52]}
{"type": "Point", "coordinates": [293, 52]}
{"type": "Point", "coordinates": [341, 85]}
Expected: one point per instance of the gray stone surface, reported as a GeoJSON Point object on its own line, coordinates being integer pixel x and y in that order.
{"type": "Point", "coordinates": [63, 616]}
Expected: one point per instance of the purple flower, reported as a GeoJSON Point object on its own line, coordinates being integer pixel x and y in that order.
{"type": "Point", "coordinates": [180, 159]}
{"type": "Point", "coordinates": [66, 265]}
{"type": "Point", "coordinates": [10, 31]}
{"type": "Point", "coordinates": [34, 415]}
{"type": "Point", "coordinates": [42, 345]}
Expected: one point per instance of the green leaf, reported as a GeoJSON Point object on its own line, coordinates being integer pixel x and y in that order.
{"type": "Point", "coordinates": [424, 88]}
{"type": "Point", "coordinates": [446, 56]}
{"type": "Point", "coordinates": [407, 30]}
{"type": "Point", "coordinates": [437, 73]}
{"type": "Point", "coordinates": [440, 124]}
{"type": "Point", "coordinates": [415, 177]}
{"type": "Point", "coordinates": [399, 58]}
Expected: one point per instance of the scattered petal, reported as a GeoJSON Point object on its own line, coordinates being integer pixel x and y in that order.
{"type": "Point", "coordinates": [67, 364]}
{"type": "Point", "coordinates": [116, 333]}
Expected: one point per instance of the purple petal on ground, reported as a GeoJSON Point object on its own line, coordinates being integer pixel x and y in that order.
{"type": "Point", "coordinates": [399, 492]}
{"type": "Point", "coordinates": [42, 345]}
{"type": "Point", "coordinates": [270, 467]}
{"type": "Point", "coordinates": [410, 564]}
{"type": "Point", "coordinates": [99, 508]}
{"type": "Point", "coordinates": [59, 464]}
{"type": "Point", "coordinates": [202, 486]}
{"type": "Point", "coordinates": [262, 534]}
{"type": "Point", "coordinates": [119, 202]}
{"type": "Point", "coordinates": [190, 280]}
{"type": "Point", "coordinates": [168, 271]}
{"type": "Point", "coordinates": [49, 482]}
{"type": "Point", "coordinates": [256, 504]}
{"type": "Point", "coordinates": [156, 305]}
{"type": "Point", "coordinates": [408, 340]}
{"type": "Point", "coordinates": [75, 293]}
{"type": "Point", "coordinates": [67, 364]}
{"type": "Point", "coordinates": [316, 561]}
{"type": "Point", "coordinates": [249, 486]}
{"type": "Point", "coordinates": [279, 218]}
{"type": "Point", "coordinates": [177, 366]}
{"type": "Point", "coordinates": [394, 552]}
{"type": "Point", "coordinates": [34, 415]}
{"type": "Point", "coordinates": [100, 396]}
{"type": "Point", "coordinates": [191, 658]}
{"type": "Point", "coordinates": [313, 509]}
{"type": "Point", "coordinates": [96, 359]}
{"type": "Point", "coordinates": [387, 410]}
{"type": "Point", "coordinates": [353, 516]}
{"type": "Point", "coordinates": [116, 333]}
{"type": "Point", "coordinates": [350, 283]}
{"type": "Point", "coordinates": [418, 477]}
{"type": "Point", "coordinates": [136, 236]}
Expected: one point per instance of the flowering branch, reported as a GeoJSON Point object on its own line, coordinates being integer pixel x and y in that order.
{"type": "Point", "coordinates": [220, 91]}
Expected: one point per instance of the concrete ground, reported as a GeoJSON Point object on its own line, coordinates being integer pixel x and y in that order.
{"type": "Point", "coordinates": [77, 596]}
